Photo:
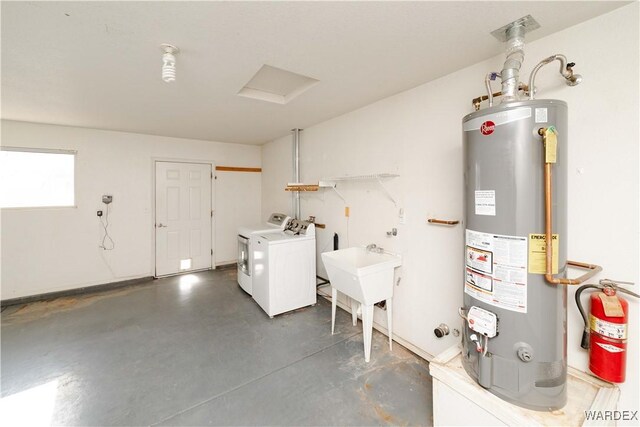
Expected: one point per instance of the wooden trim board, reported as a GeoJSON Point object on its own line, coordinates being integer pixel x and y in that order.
{"type": "Point", "coordinates": [237, 169]}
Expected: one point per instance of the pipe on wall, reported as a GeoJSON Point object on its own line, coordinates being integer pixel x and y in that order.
{"type": "Point", "coordinates": [296, 173]}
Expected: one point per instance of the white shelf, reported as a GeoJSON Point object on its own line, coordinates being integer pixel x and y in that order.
{"type": "Point", "coordinates": [378, 177]}
{"type": "Point", "coordinates": [372, 177]}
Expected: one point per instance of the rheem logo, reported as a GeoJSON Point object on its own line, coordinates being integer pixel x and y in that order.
{"type": "Point", "coordinates": [487, 127]}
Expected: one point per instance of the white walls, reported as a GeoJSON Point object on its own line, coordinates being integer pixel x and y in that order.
{"type": "Point", "coordinates": [46, 250]}
{"type": "Point", "coordinates": [417, 134]}
{"type": "Point", "coordinates": [238, 203]}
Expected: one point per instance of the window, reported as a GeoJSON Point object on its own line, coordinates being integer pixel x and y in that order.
{"type": "Point", "coordinates": [36, 178]}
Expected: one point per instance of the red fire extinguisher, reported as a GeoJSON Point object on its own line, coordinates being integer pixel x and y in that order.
{"type": "Point", "coordinates": [605, 330]}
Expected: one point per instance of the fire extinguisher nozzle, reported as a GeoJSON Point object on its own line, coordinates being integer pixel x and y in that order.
{"type": "Point", "coordinates": [585, 339]}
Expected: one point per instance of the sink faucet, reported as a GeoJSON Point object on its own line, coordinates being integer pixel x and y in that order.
{"type": "Point", "coordinates": [373, 248]}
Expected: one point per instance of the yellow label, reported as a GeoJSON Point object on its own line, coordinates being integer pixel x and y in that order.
{"type": "Point", "coordinates": [537, 253]}
{"type": "Point", "coordinates": [551, 145]}
{"type": "Point", "coordinates": [346, 211]}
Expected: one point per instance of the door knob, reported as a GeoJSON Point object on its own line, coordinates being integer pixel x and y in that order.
{"type": "Point", "coordinates": [161, 225]}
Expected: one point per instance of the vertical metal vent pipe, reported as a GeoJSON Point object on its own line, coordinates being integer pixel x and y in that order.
{"type": "Point", "coordinates": [515, 56]}
{"type": "Point", "coordinates": [296, 172]}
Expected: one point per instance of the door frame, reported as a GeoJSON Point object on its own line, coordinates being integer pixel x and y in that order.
{"type": "Point", "coordinates": [152, 225]}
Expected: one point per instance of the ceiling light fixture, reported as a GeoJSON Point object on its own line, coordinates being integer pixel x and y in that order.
{"type": "Point", "coordinates": [169, 62]}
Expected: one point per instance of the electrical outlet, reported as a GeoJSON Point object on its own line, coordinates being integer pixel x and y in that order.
{"type": "Point", "coordinates": [401, 217]}
{"type": "Point", "coordinates": [99, 213]}
{"type": "Point", "coordinates": [106, 199]}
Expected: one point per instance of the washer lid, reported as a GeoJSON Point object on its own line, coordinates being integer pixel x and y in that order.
{"type": "Point", "coordinates": [276, 222]}
{"type": "Point", "coordinates": [282, 237]}
{"type": "Point", "coordinates": [257, 229]}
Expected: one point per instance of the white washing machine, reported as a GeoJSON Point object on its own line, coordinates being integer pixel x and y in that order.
{"type": "Point", "coordinates": [246, 241]}
{"type": "Point", "coordinates": [285, 268]}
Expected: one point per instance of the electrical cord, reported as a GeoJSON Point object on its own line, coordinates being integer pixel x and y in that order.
{"type": "Point", "coordinates": [348, 232]}
{"type": "Point", "coordinates": [106, 237]}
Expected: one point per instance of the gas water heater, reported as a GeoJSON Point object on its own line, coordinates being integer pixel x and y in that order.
{"type": "Point", "coordinates": [515, 301]}
{"type": "Point", "coordinates": [523, 356]}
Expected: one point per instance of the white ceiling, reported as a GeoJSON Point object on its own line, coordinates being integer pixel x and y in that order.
{"type": "Point", "coordinates": [97, 64]}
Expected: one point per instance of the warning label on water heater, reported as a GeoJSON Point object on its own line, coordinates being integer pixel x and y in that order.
{"type": "Point", "coordinates": [485, 202]}
{"type": "Point", "coordinates": [538, 253]}
{"type": "Point", "coordinates": [496, 270]}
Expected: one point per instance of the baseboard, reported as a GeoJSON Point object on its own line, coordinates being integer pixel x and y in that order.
{"type": "Point", "coordinates": [226, 265]}
{"type": "Point", "coordinates": [75, 291]}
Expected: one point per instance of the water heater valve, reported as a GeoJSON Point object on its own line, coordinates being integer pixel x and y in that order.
{"type": "Point", "coordinates": [482, 321]}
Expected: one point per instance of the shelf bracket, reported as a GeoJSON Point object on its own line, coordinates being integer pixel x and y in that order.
{"type": "Point", "coordinates": [332, 185]}
{"type": "Point", "coordinates": [384, 189]}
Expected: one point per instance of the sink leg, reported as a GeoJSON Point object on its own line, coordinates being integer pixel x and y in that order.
{"type": "Point", "coordinates": [389, 304]}
{"type": "Point", "coordinates": [354, 311]}
{"type": "Point", "coordinates": [367, 328]}
{"type": "Point", "coordinates": [334, 301]}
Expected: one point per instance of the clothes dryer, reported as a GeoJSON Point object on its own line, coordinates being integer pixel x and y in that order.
{"type": "Point", "coordinates": [246, 241]}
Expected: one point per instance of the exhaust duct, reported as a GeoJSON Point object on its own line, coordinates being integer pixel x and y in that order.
{"type": "Point", "coordinates": [513, 35]}
{"type": "Point", "coordinates": [511, 69]}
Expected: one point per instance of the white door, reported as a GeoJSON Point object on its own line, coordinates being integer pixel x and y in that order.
{"type": "Point", "coordinates": [183, 217]}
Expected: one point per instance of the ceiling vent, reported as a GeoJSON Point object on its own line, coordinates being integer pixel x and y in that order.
{"type": "Point", "coordinates": [272, 84]}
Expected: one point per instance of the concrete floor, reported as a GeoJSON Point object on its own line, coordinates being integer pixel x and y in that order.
{"type": "Point", "coordinates": [196, 350]}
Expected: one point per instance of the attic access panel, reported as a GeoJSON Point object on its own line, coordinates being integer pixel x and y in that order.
{"type": "Point", "coordinates": [275, 85]}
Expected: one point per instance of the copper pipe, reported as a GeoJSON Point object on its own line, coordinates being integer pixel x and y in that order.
{"type": "Point", "coordinates": [442, 221]}
{"type": "Point", "coordinates": [548, 234]}
{"type": "Point", "coordinates": [548, 219]}
{"type": "Point", "coordinates": [476, 101]}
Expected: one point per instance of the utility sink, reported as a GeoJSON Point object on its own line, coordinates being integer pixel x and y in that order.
{"type": "Point", "coordinates": [363, 275]}
{"type": "Point", "coordinates": [367, 278]}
